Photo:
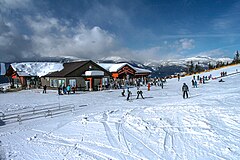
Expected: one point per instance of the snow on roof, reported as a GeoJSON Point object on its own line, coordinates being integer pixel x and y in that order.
{"type": "Point", "coordinates": [36, 68]}
{"type": "Point", "coordinates": [114, 67]}
{"type": "Point", "coordinates": [94, 73]}
{"type": "Point", "coordinates": [141, 70]}
{"type": "Point", "coordinates": [2, 69]}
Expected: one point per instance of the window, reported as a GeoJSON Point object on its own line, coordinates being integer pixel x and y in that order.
{"type": "Point", "coordinates": [57, 82]}
{"type": "Point", "coordinates": [53, 83]}
{"type": "Point", "coordinates": [61, 82]}
{"type": "Point", "coordinates": [72, 82]}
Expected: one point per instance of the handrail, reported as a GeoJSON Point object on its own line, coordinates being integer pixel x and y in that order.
{"type": "Point", "coordinates": [43, 112]}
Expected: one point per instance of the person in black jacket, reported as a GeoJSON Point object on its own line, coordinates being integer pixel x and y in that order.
{"type": "Point", "coordinates": [185, 90]}
{"type": "Point", "coordinates": [129, 94]}
{"type": "Point", "coordinates": [44, 89]}
{"type": "Point", "coordinates": [139, 92]}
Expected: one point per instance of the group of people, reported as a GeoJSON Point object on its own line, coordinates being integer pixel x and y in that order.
{"type": "Point", "coordinates": [223, 74]}
{"type": "Point", "coordinates": [66, 90]}
{"type": "Point", "coordinates": [129, 93]}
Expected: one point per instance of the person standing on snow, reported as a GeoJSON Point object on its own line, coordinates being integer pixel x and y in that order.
{"type": "Point", "coordinates": [185, 90]}
{"type": "Point", "coordinates": [161, 83]}
{"type": "Point", "coordinates": [129, 94]}
{"type": "Point", "coordinates": [44, 89]}
{"type": "Point", "coordinates": [123, 93]}
{"type": "Point", "coordinates": [59, 90]}
{"type": "Point", "coordinates": [68, 89]}
{"type": "Point", "coordinates": [139, 92]}
{"type": "Point", "coordinates": [64, 89]}
{"type": "Point", "coordinates": [195, 84]}
{"type": "Point", "coordinates": [178, 76]}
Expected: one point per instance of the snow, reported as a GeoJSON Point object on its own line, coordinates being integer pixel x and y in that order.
{"type": "Point", "coordinates": [36, 68]}
{"type": "Point", "coordinates": [114, 58]}
{"type": "Point", "coordinates": [161, 126]}
{"type": "Point", "coordinates": [4, 86]}
{"type": "Point", "coordinates": [2, 69]}
{"type": "Point", "coordinates": [94, 73]}
{"type": "Point", "coordinates": [141, 70]}
{"type": "Point", "coordinates": [114, 67]}
{"type": "Point", "coordinates": [202, 60]}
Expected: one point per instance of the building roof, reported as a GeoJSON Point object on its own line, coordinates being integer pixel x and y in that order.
{"type": "Point", "coordinates": [141, 70]}
{"type": "Point", "coordinates": [114, 67]}
{"type": "Point", "coordinates": [35, 68]}
{"type": "Point", "coordinates": [72, 66]}
{"type": "Point", "coordinates": [68, 68]}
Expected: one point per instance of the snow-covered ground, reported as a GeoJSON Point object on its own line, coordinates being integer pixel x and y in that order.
{"type": "Point", "coordinates": [161, 126]}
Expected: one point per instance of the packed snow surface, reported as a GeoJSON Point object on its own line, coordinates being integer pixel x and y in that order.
{"type": "Point", "coordinates": [161, 126]}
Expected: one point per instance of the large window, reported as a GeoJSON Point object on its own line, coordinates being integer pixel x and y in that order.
{"type": "Point", "coordinates": [72, 82]}
{"type": "Point", "coordinates": [57, 82]}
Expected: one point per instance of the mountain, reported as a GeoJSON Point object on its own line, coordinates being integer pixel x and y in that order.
{"type": "Point", "coordinates": [169, 67]}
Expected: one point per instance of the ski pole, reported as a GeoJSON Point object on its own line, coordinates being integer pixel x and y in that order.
{"type": "Point", "coordinates": [189, 94]}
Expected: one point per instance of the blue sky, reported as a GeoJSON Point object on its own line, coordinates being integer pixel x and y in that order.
{"type": "Point", "coordinates": [141, 30]}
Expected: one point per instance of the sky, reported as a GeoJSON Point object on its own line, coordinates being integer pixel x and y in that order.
{"type": "Point", "coordinates": [141, 30]}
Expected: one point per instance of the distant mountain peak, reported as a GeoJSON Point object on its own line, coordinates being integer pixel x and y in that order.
{"type": "Point", "coordinates": [114, 59]}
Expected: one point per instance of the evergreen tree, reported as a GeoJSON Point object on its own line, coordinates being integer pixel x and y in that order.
{"type": "Point", "coordinates": [191, 67]}
{"type": "Point", "coordinates": [210, 66]}
{"type": "Point", "coordinates": [237, 57]}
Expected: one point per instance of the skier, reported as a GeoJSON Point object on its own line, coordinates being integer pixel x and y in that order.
{"type": "Point", "coordinates": [195, 84]}
{"type": "Point", "coordinates": [185, 90]}
{"type": "Point", "coordinates": [123, 93]}
{"type": "Point", "coordinates": [149, 86]}
{"type": "Point", "coordinates": [178, 76]}
{"type": "Point", "coordinates": [44, 89]}
{"type": "Point", "coordinates": [161, 83]}
{"type": "Point", "coordinates": [139, 92]}
{"type": "Point", "coordinates": [129, 94]}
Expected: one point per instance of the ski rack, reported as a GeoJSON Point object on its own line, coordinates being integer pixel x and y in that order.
{"type": "Point", "coordinates": [49, 110]}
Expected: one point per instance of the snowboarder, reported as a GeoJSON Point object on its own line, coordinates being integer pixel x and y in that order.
{"type": "Point", "coordinates": [185, 90]}
{"type": "Point", "coordinates": [44, 89]}
{"type": "Point", "coordinates": [139, 92]}
{"type": "Point", "coordinates": [129, 94]}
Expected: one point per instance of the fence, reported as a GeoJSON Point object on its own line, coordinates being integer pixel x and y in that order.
{"type": "Point", "coordinates": [49, 110]}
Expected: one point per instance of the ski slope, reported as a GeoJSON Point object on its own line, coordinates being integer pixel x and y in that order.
{"type": "Point", "coordinates": [161, 126]}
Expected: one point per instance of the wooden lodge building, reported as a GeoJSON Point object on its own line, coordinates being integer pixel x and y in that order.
{"type": "Point", "coordinates": [125, 71]}
{"type": "Point", "coordinates": [27, 75]}
{"type": "Point", "coordinates": [84, 75]}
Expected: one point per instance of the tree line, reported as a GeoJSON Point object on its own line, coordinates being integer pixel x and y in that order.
{"type": "Point", "coordinates": [196, 68]}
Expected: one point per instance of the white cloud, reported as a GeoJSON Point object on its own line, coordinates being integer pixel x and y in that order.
{"type": "Point", "coordinates": [213, 53]}
{"type": "Point", "coordinates": [14, 4]}
{"type": "Point", "coordinates": [52, 37]}
{"type": "Point", "coordinates": [186, 44]}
